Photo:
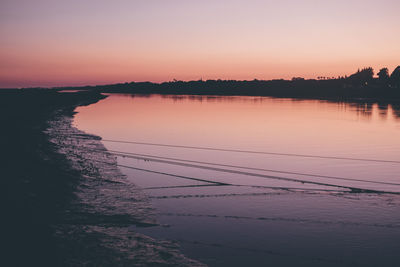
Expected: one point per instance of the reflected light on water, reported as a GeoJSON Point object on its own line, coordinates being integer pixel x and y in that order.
{"type": "Point", "coordinates": [281, 209]}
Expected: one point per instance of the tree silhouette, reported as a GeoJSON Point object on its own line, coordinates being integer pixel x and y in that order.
{"type": "Point", "coordinates": [383, 75]}
{"type": "Point", "coordinates": [362, 77]}
{"type": "Point", "coordinates": [395, 78]}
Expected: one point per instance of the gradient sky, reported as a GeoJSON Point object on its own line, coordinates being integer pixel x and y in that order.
{"type": "Point", "coordinates": [75, 42]}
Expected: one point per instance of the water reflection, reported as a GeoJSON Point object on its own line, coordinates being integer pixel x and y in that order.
{"type": "Point", "coordinates": [289, 210]}
{"type": "Point", "coordinates": [378, 110]}
{"type": "Point", "coordinates": [363, 108]}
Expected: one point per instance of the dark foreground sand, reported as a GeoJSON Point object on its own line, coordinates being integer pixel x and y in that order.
{"type": "Point", "coordinates": [65, 203]}
{"type": "Point", "coordinates": [36, 182]}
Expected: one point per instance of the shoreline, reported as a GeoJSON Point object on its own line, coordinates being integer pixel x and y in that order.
{"type": "Point", "coordinates": [70, 206]}
{"type": "Point", "coordinates": [107, 207]}
{"type": "Point", "coordinates": [36, 181]}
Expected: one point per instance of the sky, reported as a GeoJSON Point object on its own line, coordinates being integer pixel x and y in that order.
{"type": "Point", "coordinates": [67, 43]}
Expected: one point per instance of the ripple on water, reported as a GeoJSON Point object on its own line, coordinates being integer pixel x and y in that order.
{"type": "Point", "coordinates": [97, 228]}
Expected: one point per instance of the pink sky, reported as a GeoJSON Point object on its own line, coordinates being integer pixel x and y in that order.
{"type": "Point", "coordinates": [57, 43]}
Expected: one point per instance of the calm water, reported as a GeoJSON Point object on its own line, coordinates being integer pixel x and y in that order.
{"type": "Point", "coordinates": [249, 180]}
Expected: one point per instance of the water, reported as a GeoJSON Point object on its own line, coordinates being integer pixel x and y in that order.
{"type": "Point", "coordinates": [293, 204]}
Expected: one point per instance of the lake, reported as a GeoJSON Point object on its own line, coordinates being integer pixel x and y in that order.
{"type": "Point", "coordinates": [255, 180]}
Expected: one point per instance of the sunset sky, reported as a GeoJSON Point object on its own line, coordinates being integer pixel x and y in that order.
{"type": "Point", "coordinates": [76, 42]}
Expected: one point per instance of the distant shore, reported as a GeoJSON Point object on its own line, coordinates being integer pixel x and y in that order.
{"type": "Point", "coordinates": [359, 86]}
{"type": "Point", "coordinates": [341, 89]}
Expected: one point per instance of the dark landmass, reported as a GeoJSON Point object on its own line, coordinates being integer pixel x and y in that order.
{"type": "Point", "coordinates": [65, 203]}
{"type": "Point", "coordinates": [36, 182]}
{"type": "Point", "coordinates": [360, 85]}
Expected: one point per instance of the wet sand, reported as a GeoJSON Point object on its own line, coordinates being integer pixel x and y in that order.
{"type": "Point", "coordinates": [66, 203]}
{"type": "Point", "coordinates": [36, 182]}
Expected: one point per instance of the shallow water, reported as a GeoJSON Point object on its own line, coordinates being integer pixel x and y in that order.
{"type": "Point", "coordinates": [261, 180]}
{"type": "Point", "coordinates": [95, 227]}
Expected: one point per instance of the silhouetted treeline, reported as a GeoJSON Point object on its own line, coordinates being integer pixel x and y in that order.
{"type": "Point", "coordinates": [361, 84]}
{"type": "Point", "coordinates": [394, 79]}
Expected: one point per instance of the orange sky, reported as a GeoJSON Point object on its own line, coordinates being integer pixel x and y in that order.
{"type": "Point", "coordinates": [56, 43]}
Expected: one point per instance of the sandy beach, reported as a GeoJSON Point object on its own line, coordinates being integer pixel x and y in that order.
{"type": "Point", "coordinates": [70, 204]}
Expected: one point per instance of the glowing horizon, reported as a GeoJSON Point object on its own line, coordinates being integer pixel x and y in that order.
{"type": "Point", "coordinates": [57, 43]}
